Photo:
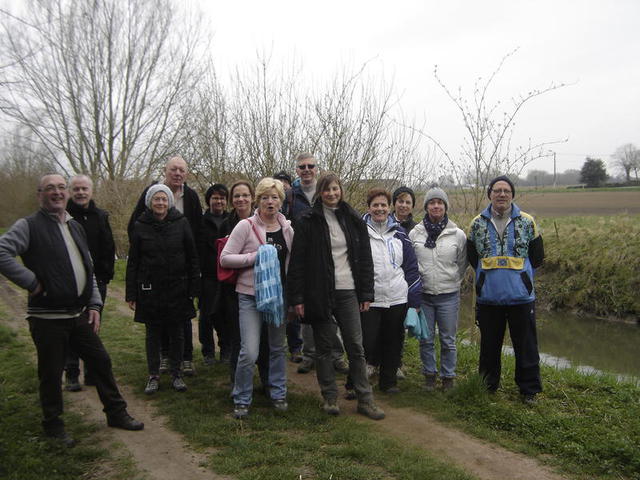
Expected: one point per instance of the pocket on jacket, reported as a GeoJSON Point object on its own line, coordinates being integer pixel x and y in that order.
{"type": "Point", "coordinates": [527, 282]}
{"type": "Point", "coordinates": [479, 284]}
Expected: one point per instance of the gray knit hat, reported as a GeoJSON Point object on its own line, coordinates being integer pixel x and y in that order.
{"type": "Point", "coordinates": [158, 187]}
{"type": "Point", "coordinates": [437, 192]}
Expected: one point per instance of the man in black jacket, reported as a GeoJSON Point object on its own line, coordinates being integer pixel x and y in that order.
{"type": "Point", "coordinates": [95, 222]}
{"type": "Point", "coordinates": [63, 304]}
{"type": "Point", "coordinates": [187, 202]}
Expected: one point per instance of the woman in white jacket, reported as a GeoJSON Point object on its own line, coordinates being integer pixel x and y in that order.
{"type": "Point", "coordinates": [441, 249]}
{"type": "Point", "coordinates": [397, 287]}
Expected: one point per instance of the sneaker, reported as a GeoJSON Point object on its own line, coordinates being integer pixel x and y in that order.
{"type": "Point", "coordinates": [350, 394]}
{"type": "Point", "coordinates": [429, 382]}
{"type": "Point", "coordinates": [341, 366]}
{"type": "Point", "coordinates": [529, 399]}
{"type": "Point", "coordinates": [61, 437]}
{"type": "Point", "coordinates": [153, 385]}
{"type": "Point", "coordinates": [296, 357]}
{"type": "Point", "coordinates": [164, 365]}
{"type": "Point", "coordinates": [280, 405]}
{"type": "Point", "coordinates": [72, 384]}
{"type": "Point", "coordinates": [240, 411]}
{"type": "Point", "coordinates": [371, 370]}
{"type": "Point", "coordinates": [400, 374]}
{"type": "Point", "coordinates": [178, 384]}
{"type": "Point", "coordinates": [448, 383]}
{"type": "Point", "coordinates": [209, 360]}
{"type": "Point", "coordinates": [330, 407]}
{"type": "Point", "coordinates": [369, 409]}
{"type": "Point", "coordinates": [188, 368]}
{"type": "Point", "coordinates": [306, 366]}
{"type": "Point", "coordinates": [124, 421]}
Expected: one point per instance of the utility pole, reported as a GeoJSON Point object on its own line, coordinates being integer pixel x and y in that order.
{"type": "Point", "coordinates": [554, 169]}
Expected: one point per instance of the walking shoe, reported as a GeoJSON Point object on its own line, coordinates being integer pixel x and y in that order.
{"type": "Point", "coordinates": [371, 370]}
{"type": "Point", "coordinates": [529, 399]}
{"type": "Point", "coordinates": [296, 357]}
{"type": "Point", "coordinates": [400, 374]}
{"type": "Point", "coordinates": [178, 384]}
{"type": "Point", "coordinates": [164, 365]}
{"type": "Point", "coordinates": [448, 383]}
{"type": "Point", "coordinates": [61, 437]}
{"type": "Point", "coordinates": [391, 390]}
{"type": "Point", "coordinates": [280, 405]}
{"type": "Point", "coordinates": [188, 368]}
{"type": "Point", "coordinates": [306, 366]}
{"type": "Point", "coordinates": [240, 411]}
{"type": "Point", "coordinates": [341, 366]}
{"type": "Point", "coordinates": [124, 421]}
{"type": "Point", "coordinates": [209, 360]}
{"type": "Point", "coordinates": [350, 394]}
{"type": "Point", "coordinates": [331, 407]}
{"type": "Point", "coordinates": [369, 409]}
{"type": "Point", "coordinates": [430, 382]}
{"type": "Point", "coordinates": [72, 384]}
{"type": "Point", "coordinates": [153, 385]}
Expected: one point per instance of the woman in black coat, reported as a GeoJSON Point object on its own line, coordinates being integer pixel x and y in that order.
{"type": "Point", "coordinates": [331, 276]}
{"type": "Point", "coordinates": [162, 278]}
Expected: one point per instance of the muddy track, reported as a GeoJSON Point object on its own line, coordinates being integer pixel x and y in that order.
{"type": "Point", "coordinates": [163, 454]}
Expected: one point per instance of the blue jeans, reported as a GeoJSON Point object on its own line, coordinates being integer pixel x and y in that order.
{"type": "Point", "coordinates": [441, 310]}
{"type": "Point", "coordinates": [251, 324]}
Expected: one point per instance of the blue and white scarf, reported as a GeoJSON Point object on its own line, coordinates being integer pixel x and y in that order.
{"type": "Point", "coordinates": [268, 285]}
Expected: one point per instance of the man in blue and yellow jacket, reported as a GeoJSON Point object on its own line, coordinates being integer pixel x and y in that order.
{"type": "Point", "coordinates": [504, 247]}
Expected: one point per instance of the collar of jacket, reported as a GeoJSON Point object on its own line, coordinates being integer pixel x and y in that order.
{"type": "Point", "coordinates": [172, 215]}
{"type": "Point", "coordinates": [515, 211]}
{"type": "Point", "coordinates": [73, 207]}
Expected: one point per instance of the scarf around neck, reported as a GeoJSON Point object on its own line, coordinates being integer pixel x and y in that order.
{"type": "Point", "coordinates": [433, 230]}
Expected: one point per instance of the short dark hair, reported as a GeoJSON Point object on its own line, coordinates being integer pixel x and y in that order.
{"type": "Point", "coordinates": [219, 188]}
{"type": "Point", "coordinates": [378, 192]}
{"type": "Point", "coordinates": [282, 175]}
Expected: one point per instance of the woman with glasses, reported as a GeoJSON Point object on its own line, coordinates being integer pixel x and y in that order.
{"type": "Point", "coordinates": [331, 276]}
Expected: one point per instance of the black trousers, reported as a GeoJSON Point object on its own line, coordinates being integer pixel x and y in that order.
{"type": "Point", "coordinates": [187, 335]}
{"type": "Point", "coordinates": [52, 339]}
{"type": "Point", "coordinates": [492, 320]}
{"type": "Point", "coordinates": [72, 367]}
{"type": "Point", "coordinates": [213, 315]}
{"type": "Point", "coordinates": [153, 342]}
{"type": "Point", "coordinates": [382, 339]}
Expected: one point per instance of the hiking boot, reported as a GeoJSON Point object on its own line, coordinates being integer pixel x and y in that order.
{"type": "Point", "coordinates": [371, 370]}
{"type": "Point", "coordinates": [350, 394]}
{"type": "Point", "coordinates": [240, 411]}
{"type": "Point", "coordinates": [280, 405]}
{"type": "Point", "coordinates": [164, 365]}
{"type": "Point", "coordinates": [529, 399]}
{"type": "Point", "coordinates": [330, 407]}
{"type": "Point", "coordinates": [448, 383]}
{"type": "Point", "coordinates": [153, 385]}
{"type": "Point", "coordinates": [341, 366]}
{"type": "Point", "coordinates": [296, 357]}
{"type": "Point", "coordinates": [188, 368]}
{"type": "Point", "coordinates": [178, 384]}
{"type": "Point", "coordinates": [124, 421]}
{"type": "Point", "coordinates": [72, 384]}
{"type": "Point", "coordinates": [61, 437]}
{"type": "Point", "coordinates": [400, 375]}
{"type": "Point", "coordinates": [430, 382]}
{"type": "Point", "coordinates": [371, 410]}
{"type": "Point", "coordinates": [306, 366]}
{"type": "Point", "coordinates": [209, 360]}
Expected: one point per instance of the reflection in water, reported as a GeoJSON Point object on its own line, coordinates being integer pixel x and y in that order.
{"type": "Point", "coordinates": [589, 344]}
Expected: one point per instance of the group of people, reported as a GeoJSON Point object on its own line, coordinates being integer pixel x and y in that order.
{"type": "Point", "coordinates": [311, 272]}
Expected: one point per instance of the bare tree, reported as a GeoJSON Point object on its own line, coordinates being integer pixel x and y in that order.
{"type": "Point", "coordinates": [98, 82]}
{"type": "Point", "coordinates": [488, 148]}
{"type": "Point", "coordinates": [627, 159]}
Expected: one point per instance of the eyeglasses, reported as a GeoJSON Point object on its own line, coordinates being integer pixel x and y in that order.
{"type": "Point", "coordinates": [53, 188]}
{"type": "Point", "coordinates": [310, 166]}
{"type": "Point", "coordinates": [501, 192]}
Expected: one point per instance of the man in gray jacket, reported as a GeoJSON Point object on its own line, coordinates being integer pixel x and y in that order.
{"type": "Point", "coordinates": [64, 304]}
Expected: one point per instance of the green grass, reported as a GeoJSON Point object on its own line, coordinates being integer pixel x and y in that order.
{"type": "Point", "coordinates": [302, 443]}
{"type": "Point", "coordinates": [25, 454]}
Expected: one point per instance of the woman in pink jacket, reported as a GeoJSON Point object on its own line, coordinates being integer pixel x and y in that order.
{"type": "Point", "coordinates": [267, 225]}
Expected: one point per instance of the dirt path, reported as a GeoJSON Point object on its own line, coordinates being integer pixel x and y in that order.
{"type": "Point", "coordinates": [164, 455]}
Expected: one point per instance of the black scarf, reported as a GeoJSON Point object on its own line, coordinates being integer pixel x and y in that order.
{"type": "Point", "coordinates": [433, 230]}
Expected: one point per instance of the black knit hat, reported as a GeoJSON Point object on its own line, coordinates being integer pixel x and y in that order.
{"type": "Point", "coordinates": [282, 175]}
{"type": "Point", "coordinates": [400, 190]}
{"type": "Point", "coordinates": [216, 187]}
{"type": "Point", "coordinates": [501, 178]}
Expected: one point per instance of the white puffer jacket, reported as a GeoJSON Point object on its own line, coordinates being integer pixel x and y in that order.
{"type": "Point", "coordinates": [441, 268]}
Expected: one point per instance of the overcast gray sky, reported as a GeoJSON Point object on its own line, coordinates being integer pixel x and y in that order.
{"type": "Point", "coordinates": [593, 45]}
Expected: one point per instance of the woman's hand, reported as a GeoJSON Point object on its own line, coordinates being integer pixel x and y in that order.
{"type": "Point", "coordinates": [364, 306]}
{"type": "Point", "coordinates": [132, 305]}
{"type": "Point", "coordinates": [299, 309]}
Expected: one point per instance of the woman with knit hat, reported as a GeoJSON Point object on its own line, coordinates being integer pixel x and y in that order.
{"type": "Point", "coordinates": [440, 247]}
{"type": "Point", "coordinates": [162, 278]}
{"type": "Point", "coordinates": [404, 199]}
